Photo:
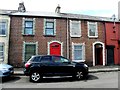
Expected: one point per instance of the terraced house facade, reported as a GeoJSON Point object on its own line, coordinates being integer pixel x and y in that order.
{"type": "Point", "coordinates": [81, 38]}
{"type": "Point", "coordinates": [78, 37]}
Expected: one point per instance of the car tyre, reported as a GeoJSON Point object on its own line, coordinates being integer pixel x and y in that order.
{"type": "Point", "coordinates": [78, 75]}
{"type": "Point", "coordinates": [35, 76]}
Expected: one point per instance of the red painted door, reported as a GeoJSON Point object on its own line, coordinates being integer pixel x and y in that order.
{"type": "Point", "coordinates": [55, 48]}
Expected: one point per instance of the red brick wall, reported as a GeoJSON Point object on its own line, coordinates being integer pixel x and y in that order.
{"type": "Point", "coordinates": [119, 41]}
{"type": "Point", "coordinates": [17, 39]}
{"type": "Point", "coordinates": [89, 41]}
{"type": "Point", "coordinates": [112, 36]}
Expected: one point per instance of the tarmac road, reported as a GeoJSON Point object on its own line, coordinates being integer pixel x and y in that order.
{"type": "Point", "coordinates": [95, 80]}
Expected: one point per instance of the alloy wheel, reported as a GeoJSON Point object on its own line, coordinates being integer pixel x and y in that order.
{"type": "Point", "coordinates": [79, 75]}
{"type": "Point", "coordinates": [35, 76]}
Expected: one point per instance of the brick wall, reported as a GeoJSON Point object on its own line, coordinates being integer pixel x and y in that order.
{"type": "Point", "coordinates": [17, 39]}
{"type": "Point", "coordinates": [89, 41]}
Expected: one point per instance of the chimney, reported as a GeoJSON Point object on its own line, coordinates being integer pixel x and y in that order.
{"type": "Point", "coordinates": [21, 7]}
{"type": "Point", "coordinates": [119, 10]}
{"type": "Point", "coordinates": [57, 10]}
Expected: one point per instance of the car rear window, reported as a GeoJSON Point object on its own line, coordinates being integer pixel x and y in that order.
{"type": "Point", "coordinates": [35, 59]}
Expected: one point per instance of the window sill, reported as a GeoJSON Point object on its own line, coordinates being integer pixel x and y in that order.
{"type": "Point", "coordinates": [3, 35]}
{"type": "Point", "coordinates": [76, 36]}
{"type": "Point", "coordinates": [92, 37]}
{"type": "Point", "coordinates": [28, 35]}
{"type": "Point", "coordinates": [49, 35]}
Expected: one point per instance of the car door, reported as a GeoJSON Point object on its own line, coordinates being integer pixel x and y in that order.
{"type": "Point", "coordinates": [62, 66]}
{"type": "Point", "coordinates": [46, 65]}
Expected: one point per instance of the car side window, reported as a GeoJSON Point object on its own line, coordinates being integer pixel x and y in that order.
{"type": "Point", "coordinates": [46, 59]}
{"type": "Point", "coordinates": [60, 59]}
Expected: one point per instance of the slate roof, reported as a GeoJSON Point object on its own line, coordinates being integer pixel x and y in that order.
{"type": "Point", "coordinates": [6, 12]}
{"type": "Point", "coordinates": [58, 15]}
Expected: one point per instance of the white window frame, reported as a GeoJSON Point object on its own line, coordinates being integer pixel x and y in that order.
{"type": "Point", "coordinates": [96, 31]}
{"type": "Point", "coordinates": [23, 25]}
{"type": "Point", "coordinates": [6, 25]}
{"type": "Point", "coordinates": [3, 45]}
{"type": "Point", "coordinates": [29, 43]}
{"type": "Point", "coordinates": [44, 28]}
{"type": "Point", "coordinates": [79, 28]}
{"type": "Point", "coordinates": [83, 52]}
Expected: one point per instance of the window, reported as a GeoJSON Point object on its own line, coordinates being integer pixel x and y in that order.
{"type": "Point", "coordinates": [28, 26]}
{"type": "Point", "coordinates": [75, 28]}
{"type": "Point", "coordinates": [1, 52]}
{"type": "Point", "coordinates": [58, 59]}
{"type": "Point", "coordinates": [46, 59]}
{"type": "Point", "coordinates": [36, 59]}
{"type": "Point", "coordinates": [92, 29]}
{"type": "Point", "coordinates": [78, 52]}
{"type": "Point", "coordinates": [49, 26]}
{"type": "Point", "coordinates": [30, 50]}
{"type": "Point", "coordinates": [3, 27]}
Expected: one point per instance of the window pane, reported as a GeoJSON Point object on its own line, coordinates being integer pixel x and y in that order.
{"type": "Point", "coordinates": [75, 28]}
{"type": "Point", "coordinates": [1, 48]}
{"type": "Point", "coordinates": [78, 54]}
{"type": "Point", "coordinates": [79, 47]}
{"type": "Point", "coordinates": [29, 31]}
{"type": "Point", "coordinates": [30, 49]}
{"type": "Point", "coordinates": [2, 28]}
{"type": "Point", "coordinates": [1, 52]}
{"type": "Point", "coordinates": [27, 56]}
{"type": "Point", "coordinates": [92, 29]}
{"type": "Point", "coordinates": [28, 28]}
{"type": "Point", "coordinates": [50, 25]}
{"type": "Point", "coordinates": [92, 32]}
{"type": "Point", "coordinates": [49, 32]}
{"type": "Point", "coordinates": [28, 23]}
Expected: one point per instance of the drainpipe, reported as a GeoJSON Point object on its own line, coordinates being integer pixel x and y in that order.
{"type": "Point", "coordinates": [119, 10]}
{"type": "Point", "coordinates": [67, 40]}
{"type": "Point", "coordinates": [105, 52]}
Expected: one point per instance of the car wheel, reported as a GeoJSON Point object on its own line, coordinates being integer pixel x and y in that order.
{"type": "Point", "coordinates": [35, 76]}
{"type": "Point", "coordinates": [79, 75]}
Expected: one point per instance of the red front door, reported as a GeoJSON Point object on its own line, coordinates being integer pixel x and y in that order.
{"type": "Point", "coordinates": [55, 48]}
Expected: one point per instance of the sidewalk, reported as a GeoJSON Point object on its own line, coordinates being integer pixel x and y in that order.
{"type": "Point", "coordinates": [94, 69]}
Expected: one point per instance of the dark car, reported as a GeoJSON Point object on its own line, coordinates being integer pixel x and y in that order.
{"type": "Point", "coordinates": [6, 70]}
{"type": "Point", "coordinates": [47, 65]}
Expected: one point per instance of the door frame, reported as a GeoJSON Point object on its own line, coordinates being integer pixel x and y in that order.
{"type": "Point", "coordinates": [61, 43]}
{"type": "Point", "coordinates": [110, 47]}
{"type": "Point", "coordinates": [103, 52]}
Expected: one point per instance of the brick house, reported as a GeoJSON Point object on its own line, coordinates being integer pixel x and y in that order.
{"type": "Point", "coordinates": [30, 35]}
{"type": "Point", "coordinates": [78, 37]}
{"type": "Point", "coordinates": [88, 39]}
{"type": "Point", "coordinates": [4, 36]}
